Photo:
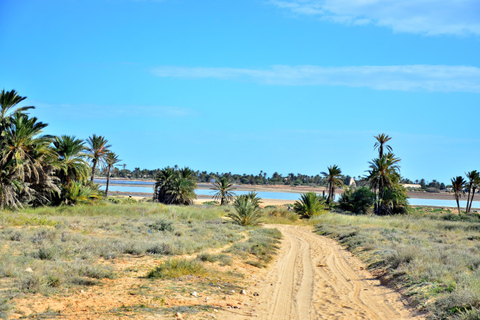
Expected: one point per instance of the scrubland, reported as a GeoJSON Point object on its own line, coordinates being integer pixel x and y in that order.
{"type": "Point", "coordinates": [150, 256]}
{"type": "Point", "coordinates": [146, 260]}
{"type": "Point", "coordinates": [432, 256]}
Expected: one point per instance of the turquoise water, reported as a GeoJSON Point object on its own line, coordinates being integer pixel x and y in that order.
{"type": "Point", "coordinates": [278, 195]}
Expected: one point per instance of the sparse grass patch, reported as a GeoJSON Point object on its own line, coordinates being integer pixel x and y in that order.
{"type": "Point", "coordinates": [175, 268]}
{"type": "Point", "coordinates": [224, 259]}
{"type": "Point", "coordinates": [263, 244]}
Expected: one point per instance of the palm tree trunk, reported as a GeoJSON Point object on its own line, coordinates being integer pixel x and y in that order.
{"type": "Point", "coordinates": [93, 170]}
{"type": "Point", "coordinates": [471, 200]}
{"type": "Point", "coordinates": [468, 198]}
{"type": "Point", "coordinates": [458, 204]}
{"type": "Point", "coordinates": [108, 182]}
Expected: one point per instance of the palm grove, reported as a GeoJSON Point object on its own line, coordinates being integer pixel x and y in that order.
{"type": "Point", "coordinates": [40, 169]}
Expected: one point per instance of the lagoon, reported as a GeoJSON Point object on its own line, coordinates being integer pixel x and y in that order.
{"type": "Point", "coordinates": [147, 187]}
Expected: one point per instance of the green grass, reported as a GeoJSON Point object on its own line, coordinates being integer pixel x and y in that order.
{"type": "Point", "coordinates": [433, 259]}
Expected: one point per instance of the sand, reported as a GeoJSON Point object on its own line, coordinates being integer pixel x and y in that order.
{"type": "Point", "coordinates": [313, 277]}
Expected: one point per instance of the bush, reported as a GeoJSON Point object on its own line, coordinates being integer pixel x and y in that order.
{"type": "Point", "coordinates": [247, 211]}
{"type": "Point", "coordinates": [161, 225]}
{"type": "Point", "coordinates": [358, 201]}
{"type": "Point", "coordinates": [309, 205]}
{"type": "Point", "coordinates": [174, 268]}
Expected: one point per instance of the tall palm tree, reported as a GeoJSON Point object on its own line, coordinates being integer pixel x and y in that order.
{"type": "Point", "coordinates": [334, 179]}
{"type": "Point", "coordinates": [382, 176]}
{"type": "Point", "coordinates": [71, 159]}
{"type": "Point", "coordinates": [472, 176]}
{"type": "Point", "coordinates": [382, 139]}
{"type": "Point", "coordinates": [457, 185]}
{"type": "Point", "coordinates": [475, 186]}
{"type": "Point", "coordinates": [224, 188]}
{"type": "Point", "coordinates": [111, 159]}
{"type": "Point", "coordinates": [98, 149]}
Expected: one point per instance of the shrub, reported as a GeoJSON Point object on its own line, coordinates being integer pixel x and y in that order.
{"type": "Point", "coordinates": [309, 205]}
{"type": "Point", "coordinates": [225, 260]}
{"type": "Point", "coordinates": [247, 211]}
{"type": "Point", "coordinates": [358, 201]}
{"type": "Point", "coordinates": [174, 268]}
{"type": "Point", "coordinates": [161, 225]}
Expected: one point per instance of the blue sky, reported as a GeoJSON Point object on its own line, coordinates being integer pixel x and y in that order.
{"type": "Point", "coordinates": [244, 86]}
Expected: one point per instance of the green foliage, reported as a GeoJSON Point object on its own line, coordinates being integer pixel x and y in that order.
{"type": "Point", "coordinates": [161, 225]}
{"type": "Point", "coordinates": [71, 159]}
{"type": "Point", "coordinates": [458, 184]}
{"type": "Point", "coordinates": [122, 200]}
{"type": "Point", "coordinates": [77, 193]}
{"type": "Point", "coordinates": [359, 200]}
{"type": "Point", "coordinates": [175, 186]}
{"type": "Point", "coordinates": [309, 205]}
{"type": "Point", "coordinates": [98, 150]}
{"type": "Point", "coordinates": [175, 268]}
{"type": "Point", "coordinates": [247, 210]}
{"type": "Point", "coordinates": [224, 188]}
{"type": "Point", "coordinates": [334, 179]}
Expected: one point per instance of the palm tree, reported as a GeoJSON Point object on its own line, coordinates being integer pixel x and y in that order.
{"type": "Point", "coordinates": [175, 186]}
{"type": "Point", "coordinates": [382, 176]}
{"type": "Point", "coordinates": [247, 212]}
{"type": "Point", "coordinates": [9, 99]}
{"type": "Point", "coordinates": [98, 151]}
{"type": "Point", "coordinates": [224, 188]}
{"type": "Point", "coordinates": [334, 179]}
{"type": "Point", "coordinates": [475, 186]}
{"type": "Point", "coordinates": [164, 179]}
{"type": "Point", "coordinates": [457, 185]}
{"type": "Point", "coordinates": [111, 159]}
{"type": "Point", "coordinates": [309, 205]}
{"type": "Point", "coordinates": [72, 159]}
{"type": "Point", "coordinates": [380, 144]}
{"type": "Point", "coordinates": [472, 176]}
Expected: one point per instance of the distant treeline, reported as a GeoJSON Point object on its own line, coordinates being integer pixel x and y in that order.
{"type": "Point", "coordinates": [262, 178]}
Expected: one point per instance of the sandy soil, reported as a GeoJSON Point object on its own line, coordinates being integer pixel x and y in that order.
{"type": "Point", "coordinates": [315, 278]}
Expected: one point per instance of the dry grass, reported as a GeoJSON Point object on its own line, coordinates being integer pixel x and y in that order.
{"type": "Point", "coordinates": [430, 258]}
{"type": "Point", "coordinates": [57, 253]}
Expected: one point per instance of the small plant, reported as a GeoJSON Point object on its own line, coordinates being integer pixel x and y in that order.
{"type": "Point", "coordinates": [162, 225]}
{"type": "Point", "coordinates": [175, 268]}
{"type": "Point", "coordinates": [247, 211]}
{"type": "Point", "coordinates": [309, 205]}
{"type": "Point", "coordinates": [225, 260]}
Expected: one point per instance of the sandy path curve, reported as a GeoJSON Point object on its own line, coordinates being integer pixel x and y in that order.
{"type": "Point", "coordinates": [315, 278]}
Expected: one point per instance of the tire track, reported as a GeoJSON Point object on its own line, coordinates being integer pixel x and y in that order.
{"type": "Point", "coordinates": [315, 278]}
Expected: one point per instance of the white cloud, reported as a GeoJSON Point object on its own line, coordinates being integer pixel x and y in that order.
{"type": "Point", "coordinates": [430, 17]}
{"type": "Point", "coordinates": [404, 78]}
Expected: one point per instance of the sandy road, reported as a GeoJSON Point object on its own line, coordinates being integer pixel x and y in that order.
{"type": "Point", "coordinates": [315, 278]}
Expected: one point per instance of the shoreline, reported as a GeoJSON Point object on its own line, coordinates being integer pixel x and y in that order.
{"type": "Point", "coordinates": [294, 189]}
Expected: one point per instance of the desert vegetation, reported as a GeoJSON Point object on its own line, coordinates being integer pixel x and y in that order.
{"type": "Point", "coordinates": [62, 251]}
